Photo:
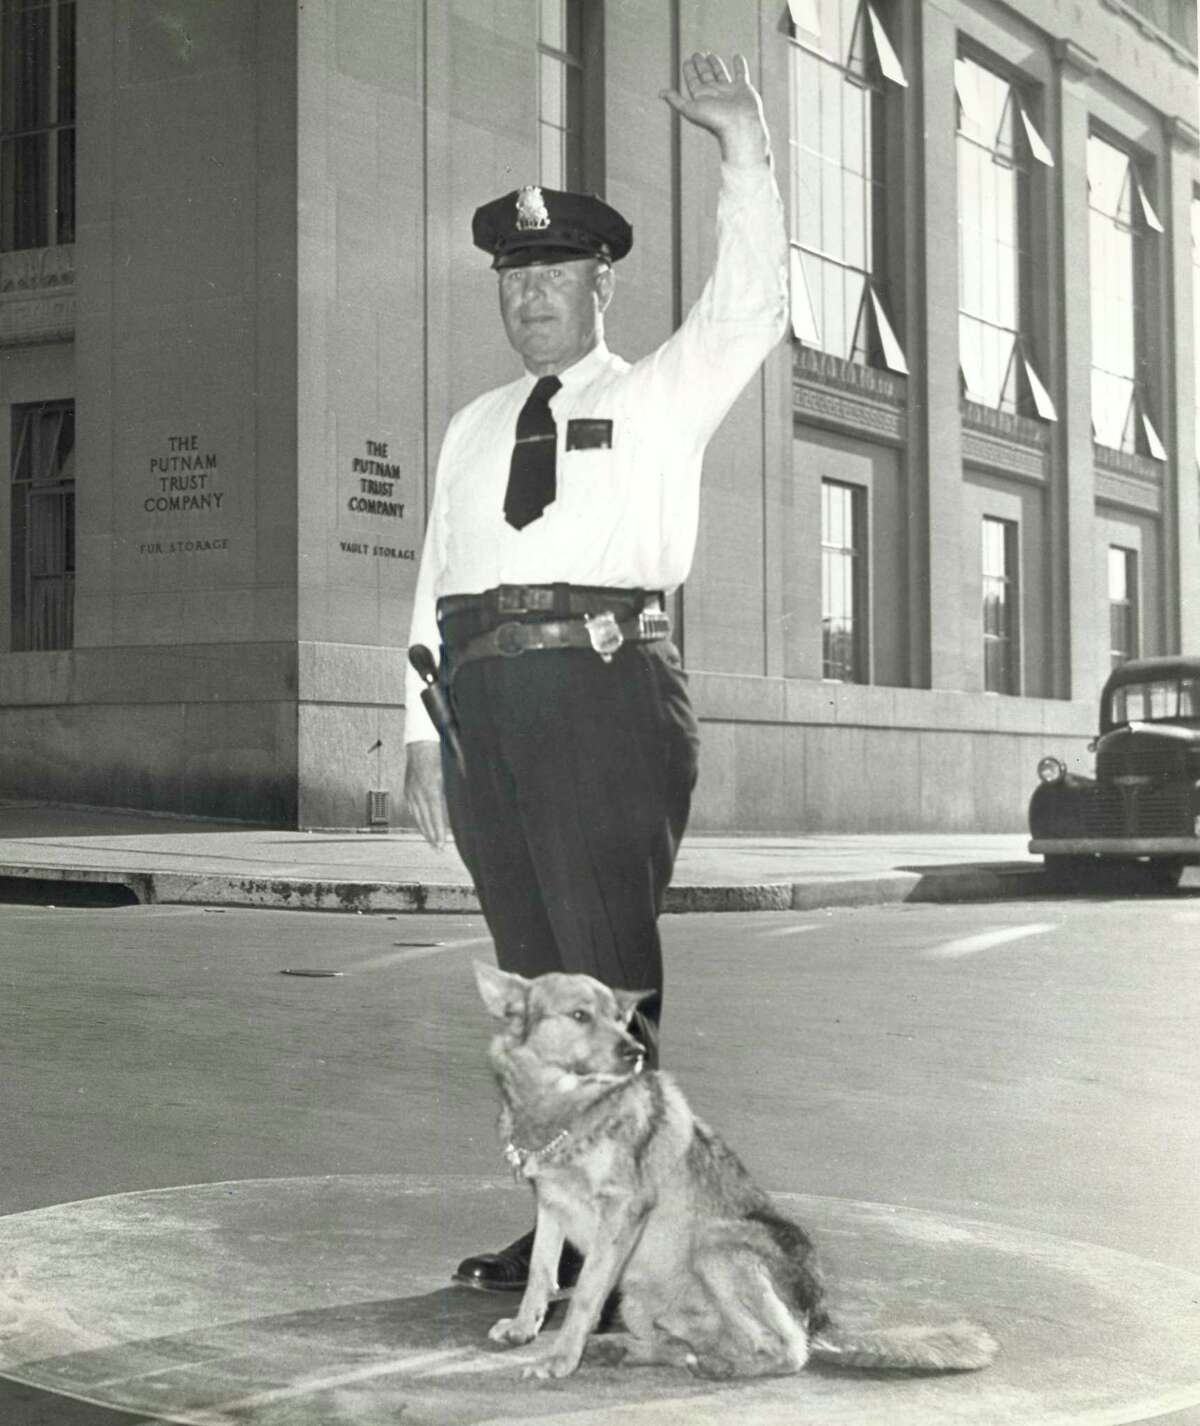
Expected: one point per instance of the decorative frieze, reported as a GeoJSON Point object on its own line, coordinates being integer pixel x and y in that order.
{"type": "Point", "coordinates": [1010, 444]}
{"type": "Point", "coordinates": [35, 269]}
{"type": "Point", "coordinates": [996, 454]}
{"type": "Point", "coordinates": [1132, 481]}
{"type": "Point", "coordinates": [37, 295]}
{"type": "Point", "coordinates": [1112, 489]}
{"type": "Point", "coordinates": [830, 391]}
{"type": "Point", "coordinates": [1140, 467]}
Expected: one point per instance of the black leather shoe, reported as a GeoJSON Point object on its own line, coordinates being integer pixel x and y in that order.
{"type": "Point", "coordinates": [508, 1270]}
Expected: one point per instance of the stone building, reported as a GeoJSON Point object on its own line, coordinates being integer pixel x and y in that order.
{"type": "Point", "coordinates": [238, 303]}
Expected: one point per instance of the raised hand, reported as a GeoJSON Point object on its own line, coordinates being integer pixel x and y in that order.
{"type": "Point", "coordinates": [726, 105]}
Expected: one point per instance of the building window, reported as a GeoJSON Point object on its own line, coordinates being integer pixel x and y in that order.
{"type": "Point", "coordinates": [841, 60]}
{"type": "Point", "coordinates": [37, 123]}
{"type": "Point", "coordinates": [570, 62]}
{"type": "Point", "coordinates": [43, 526]}
{"type": "Point", "coordinates": [1121, 218]}
{"type": "Point", "coordinates": [1122, 604]}
{"type": "Point", "coordinates": [843, 582]}
{"type": "Point", "coordinates": [1001, 667]}
{"type": "Point", "coordinates": [998, 142]}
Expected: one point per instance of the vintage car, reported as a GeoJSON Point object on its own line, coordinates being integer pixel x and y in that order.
{"type": "Point", "coordinates": [1143, 804]}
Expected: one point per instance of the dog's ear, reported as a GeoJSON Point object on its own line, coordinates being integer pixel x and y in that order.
{"type": "Point", "coordinates": [504, 994]}
{"type": "Point", "coordinates": [629, 1000]}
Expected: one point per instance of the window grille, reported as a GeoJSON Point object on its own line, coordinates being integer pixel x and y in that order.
{"type": "Point", "coordinates": [841, 61]}
{"type": "Point", "coordinates": [570, 60]}
{"type": "Point", "coordinates": [43, 526]}
{"type": "Point", "coordinates": [998, 142]}
{"type": "Point", "coordinates": [1001, 668]}
{"type": "Point", "coordinates": [1122, 604]}
{"type": "Point", "coordinates": [1121, 216]}
{"type": "Point", "coordinates": [843, 582]}
{"type": "Point", "coordinates": [37, 123]}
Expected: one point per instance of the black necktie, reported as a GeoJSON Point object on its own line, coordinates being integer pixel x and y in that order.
{"type": "Point", "coordinates": [531, 474]}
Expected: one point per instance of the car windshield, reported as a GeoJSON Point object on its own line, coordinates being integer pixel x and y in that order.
{"type": "Point", "coordinates": [1156, 699]}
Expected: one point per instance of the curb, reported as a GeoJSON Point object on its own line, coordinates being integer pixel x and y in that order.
{"type": "Point", "coordinates": [971, 882]}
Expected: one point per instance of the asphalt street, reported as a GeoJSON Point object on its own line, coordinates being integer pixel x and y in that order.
{"type": "Point", "coordinates": [1027, 1066]}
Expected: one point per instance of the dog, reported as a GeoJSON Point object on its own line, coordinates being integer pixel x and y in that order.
{"type": "Point", "coordinates": [711, 1276]}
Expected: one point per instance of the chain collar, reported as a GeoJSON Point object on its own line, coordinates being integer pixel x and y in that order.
{"type": "Point", "coordinates": [523, 1162]}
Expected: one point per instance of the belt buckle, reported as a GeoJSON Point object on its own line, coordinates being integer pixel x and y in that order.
{"type": "Point", "coordinates": [510, 639]}
{"type": "Point", "coordinates": [654, 624]}
{"type": "Point", "coordinates": [523, 599]}
{"type": "Point", "coordinates": [604, 633]}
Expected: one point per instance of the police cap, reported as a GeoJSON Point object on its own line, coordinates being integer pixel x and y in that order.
{"type": "Point", "coordinates": [533, 225]}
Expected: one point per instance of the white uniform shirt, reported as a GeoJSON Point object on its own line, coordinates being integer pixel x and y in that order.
{"type": "Point", "coordinates": [624, 517]}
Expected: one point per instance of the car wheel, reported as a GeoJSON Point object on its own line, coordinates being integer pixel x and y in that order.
{"type": "Point", "coordinates": [1163, 873]}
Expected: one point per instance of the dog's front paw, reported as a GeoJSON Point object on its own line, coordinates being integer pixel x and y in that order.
{"type": "Point", "coordinates": [513, 1332]}
{"type": "Point", "coordinates": [550, 1366]}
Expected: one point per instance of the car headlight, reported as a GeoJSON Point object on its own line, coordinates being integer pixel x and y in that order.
{"type": "Point", "coordinates": [1051, 770]}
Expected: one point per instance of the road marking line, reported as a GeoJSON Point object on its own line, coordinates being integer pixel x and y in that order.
{"type": "Point", "coordinates": [984, 941]}
{"type": "Point", "coordinates": [470, 1366]}
{"type": "Point", "coordinates": [219, 1415]}
{"type": "Point", "coordinates": [788, 930]}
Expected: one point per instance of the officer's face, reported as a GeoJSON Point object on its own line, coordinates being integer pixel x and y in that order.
{"type": "Point", "coordinates": [554, 313]}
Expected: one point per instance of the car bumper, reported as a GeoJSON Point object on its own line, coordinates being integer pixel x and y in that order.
{"type": "Point", "coordinates": [1123, 847]}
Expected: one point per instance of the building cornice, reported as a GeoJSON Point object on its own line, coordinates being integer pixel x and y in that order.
{"type": "Point", "coordinates": [1080, 63]}
{"type": "Point", "coordinates": [1182, 135]}
{"type": "Point", "coordinates": [1151, 31]}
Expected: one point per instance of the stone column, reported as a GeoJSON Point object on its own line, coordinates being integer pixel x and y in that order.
{"type": "Point", "coordinates": [779, 477]}
{"type": "Point", "coordinates": [1183, 531]}
{"type": "Point", "coordinates": [1075, 462]}
{"type": "Point", "coordinates": [360, 403]}
{"type": "Point", "coordinates": [935, 453]}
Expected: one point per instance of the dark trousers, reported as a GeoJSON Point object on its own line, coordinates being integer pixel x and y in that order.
{"type": "Point", "coordinates": [579, 777]}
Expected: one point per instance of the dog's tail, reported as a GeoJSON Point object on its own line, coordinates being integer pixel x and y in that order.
{"type": "Point", "coordinates": [957, 1347]}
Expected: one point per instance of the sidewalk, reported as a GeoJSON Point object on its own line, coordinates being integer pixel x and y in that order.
{"type": "Point", "coordinates": [173, 860]}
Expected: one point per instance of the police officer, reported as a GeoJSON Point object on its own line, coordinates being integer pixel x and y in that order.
{"type": "Point", "coordinates": [565, 511]}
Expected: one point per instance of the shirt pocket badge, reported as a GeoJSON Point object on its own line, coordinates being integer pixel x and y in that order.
{"type": "Point", "coordinates": [589, 434]}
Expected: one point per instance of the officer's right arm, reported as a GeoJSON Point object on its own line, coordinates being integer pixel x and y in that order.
{"type": "Point", "coordinates": [424, 791]}
{"type": "Point", "coordinates": [741, 313]}
{"type": "Point", "coordinates": [725, 104]}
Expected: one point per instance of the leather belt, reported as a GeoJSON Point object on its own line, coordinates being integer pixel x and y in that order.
{"type": "Point", "coordinates": [463, 617]}
{"type": "Point", "coordinates": [514, 638]}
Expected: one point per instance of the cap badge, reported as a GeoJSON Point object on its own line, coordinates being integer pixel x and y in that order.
{"type": "Point", "coordinates": [531, 210]}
